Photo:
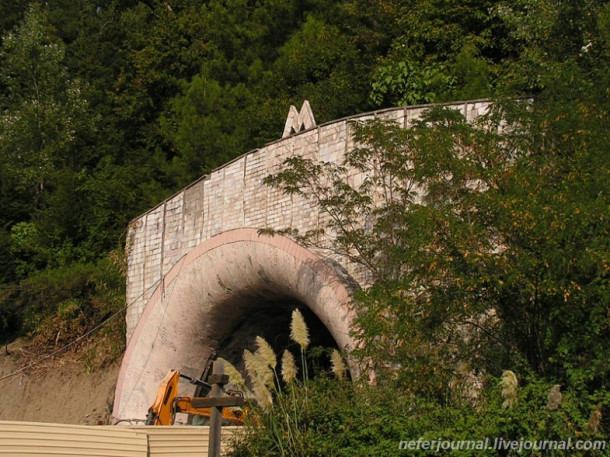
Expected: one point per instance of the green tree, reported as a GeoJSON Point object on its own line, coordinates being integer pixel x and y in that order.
{"type": "Point", "coordinates": [487, 243]}
{"type": "Point", "coordinates": [412, 224]}
{"type": "Point", "coordinates": [46, 124]}
{"type": "Point", "coordinates": [442, 51]}
{"type": "Point", "coordinates": [320, 64]}
{"type": "Point", "coordinates": [11, 13]}
{"type": "Point", "coordinates": [206, 126]}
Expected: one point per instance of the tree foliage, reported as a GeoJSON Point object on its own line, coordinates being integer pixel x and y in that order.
{"type": "Point", "coordinates": [346, 419]}
{"type": "Point", "coordinates": [493, 231]}
{"type": "Point", "coordinates": [486, 243]}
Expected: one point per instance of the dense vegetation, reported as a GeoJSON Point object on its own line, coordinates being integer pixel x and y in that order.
{"type": "Point", "coordinates": [488, 246]}
{"type": "Point", "coordinates": [489, 315]}
{"type": "Point", "coordinates": [108, 106]}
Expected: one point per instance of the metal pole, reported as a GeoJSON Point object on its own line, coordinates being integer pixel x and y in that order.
{"type": "Point", "coordinates": [217, 379]}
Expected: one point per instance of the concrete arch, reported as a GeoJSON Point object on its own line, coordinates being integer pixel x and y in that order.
{"type": "Point", "coordinates": [202, 295]}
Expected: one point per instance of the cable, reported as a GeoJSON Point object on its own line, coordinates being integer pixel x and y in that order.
{"type": "Point", "coordinates": [71, 343]}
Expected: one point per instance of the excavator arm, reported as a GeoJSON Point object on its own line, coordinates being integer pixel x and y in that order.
{"type": "Point", "coordinates": [190, 406]}
{"type": "Point", "coordinates": [167, 403]}
{"type": "Point", "coordinates": [162, 411]}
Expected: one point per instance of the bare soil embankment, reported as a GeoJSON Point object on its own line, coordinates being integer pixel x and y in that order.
{"type": "Point", "coordinates": [59, 389]}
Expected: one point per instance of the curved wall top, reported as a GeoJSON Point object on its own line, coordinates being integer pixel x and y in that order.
{"type": "Point", "coordinates": [207, 293]}
{"type": "Point", "coordinates": [234, 196]}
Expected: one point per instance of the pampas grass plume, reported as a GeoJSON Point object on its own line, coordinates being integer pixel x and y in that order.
{"type": "Point", "coordinates": [593, 426]}
{"type": "Point", "coordinates": [554, 398]}
{"type": "Point", "coordinates": [258, 370]}
{"type": "Point", "coordinates": [289, 367]}
{"type": "Point", "coordinates": [262, 394]}
{"type": "Point", "coordinates": [337, 365]}
{"type": "Point", "coordinates": [509, 385]}
{"type": "Point", "coordinates": [235, 376]}
{"type": "Point", "coordinates": [266, 352]}
{"type": "Point", "coordinates": [250, 363]}
{"type": "Point", "coordinates": [298, 330]}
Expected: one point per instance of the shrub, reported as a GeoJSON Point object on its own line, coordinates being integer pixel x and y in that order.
{"type": "Point", "coordinates": [333, 417]}
{"type": "Point", "coordinates": [54, 307]}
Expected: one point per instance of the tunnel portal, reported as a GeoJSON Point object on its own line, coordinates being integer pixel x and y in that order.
{"type": "Point", "coordinates": [217, 299]}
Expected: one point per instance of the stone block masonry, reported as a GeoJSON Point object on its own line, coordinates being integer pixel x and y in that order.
{"type": "Point", "coordinates": [234, 196]}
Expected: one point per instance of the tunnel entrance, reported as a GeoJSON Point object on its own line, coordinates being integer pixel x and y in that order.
{"type": "Point", "coordinates": [272, 322]}
{"type": "Point", "coordinates": [217, 299]}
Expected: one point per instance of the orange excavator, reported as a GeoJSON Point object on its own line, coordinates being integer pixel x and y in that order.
{"type": "Point", "coordinates": [168, 403]}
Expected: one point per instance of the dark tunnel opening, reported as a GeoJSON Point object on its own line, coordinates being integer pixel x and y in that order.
{"type": "Point", "coordinates": [271, 321]}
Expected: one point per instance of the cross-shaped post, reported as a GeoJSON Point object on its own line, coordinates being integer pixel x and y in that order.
{"type": "Point", "coordinates": [217, 379]}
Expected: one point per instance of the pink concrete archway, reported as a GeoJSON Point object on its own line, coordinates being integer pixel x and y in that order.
{"type": "Point", "coordinates": [205, 290]}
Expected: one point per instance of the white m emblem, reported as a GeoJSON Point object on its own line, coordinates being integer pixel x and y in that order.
{"type": "Point", "coordinates": [299, 121]}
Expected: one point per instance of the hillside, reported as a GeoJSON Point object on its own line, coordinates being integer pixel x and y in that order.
{"type": "Point", "coordinates": [59, 390]}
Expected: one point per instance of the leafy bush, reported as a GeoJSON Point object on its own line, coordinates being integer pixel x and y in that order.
{"type": "Point", "coordinates": [56, 306]}
{"type": "Point", "coordinates": [339, 418]}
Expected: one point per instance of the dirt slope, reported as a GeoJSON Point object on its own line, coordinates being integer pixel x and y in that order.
{"type": "Point", "coordinates": [58, 390]}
